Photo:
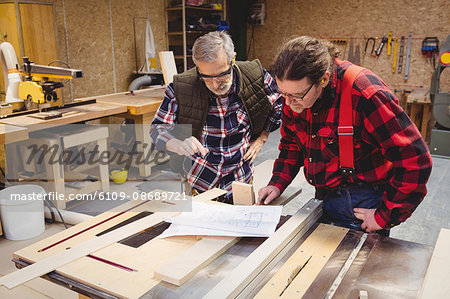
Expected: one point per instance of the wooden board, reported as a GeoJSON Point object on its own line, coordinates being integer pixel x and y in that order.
{"type": "Point", "coordinates": [312, 255]}
{"type": "Point", "coordinates": [185, 265]}
{"type": "Point", "coordinates": [143, 101]}
{"type": "Point", "coordinates": [73, 253]}
{"type": "Point", "coordinates": [256, 264]}
{"type": "Point", "coordinates": [38, 32]}
{"type": "Point", "coordinates": [181, 268]}
{"type": "Point", "coordinates": [437, 278]}
{"type": "Point", "coordinates": [78, 114]}
{"type": "Point", "coordinates": [243, 194]}
{"type": "Point", "coordinates": [10, 134]}
{"type": "Point", "coordinates": [168, 66]}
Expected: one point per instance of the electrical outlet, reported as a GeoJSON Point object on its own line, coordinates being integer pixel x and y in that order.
{"type": "Point", "coordinates": [256, 14]}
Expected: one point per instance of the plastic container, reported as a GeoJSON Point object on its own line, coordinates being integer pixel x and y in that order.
{"type": "Point", "coordinates": [22, 211]}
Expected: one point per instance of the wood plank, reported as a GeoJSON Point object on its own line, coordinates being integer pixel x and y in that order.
{"type": "Point", "coordinates": [243, 194]}
{"type": "Point", "coordinates": [60, 259]}
{"type": "Point", "coordinates": [38, 31]}
{"type": "Point", "coordinates": [313, 255]}
{"type": "Point", "coordinates": [10, 134]}
{"type": "Point", "coordinates": [249, 269]}
{"type": "Point", "coordinates": [83, 113]}
{"type": "Point", "coordinates": [181, 268]}
{"type": "Point", "coordinates": [437, 278]}
{"type": "Point", "coordinates": [210, 195]}
{"type": "Point", "coordinates": [143, 101]}
{"type": "Point", "coordinates": [168, 66]}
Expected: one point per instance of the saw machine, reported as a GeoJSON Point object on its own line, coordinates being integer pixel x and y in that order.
{"type": "Point", "coordinates": [440, 137]}
{"type": "Point", "coordinates": [37, 91]}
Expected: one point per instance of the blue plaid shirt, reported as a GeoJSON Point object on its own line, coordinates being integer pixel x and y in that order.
{"type": "Point", "coordinates": [226, 135]}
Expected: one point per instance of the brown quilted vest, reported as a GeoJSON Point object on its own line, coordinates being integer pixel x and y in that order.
{"type": "Point", "coordinates": [193, 97]}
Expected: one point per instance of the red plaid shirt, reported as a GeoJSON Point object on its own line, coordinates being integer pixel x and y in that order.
{"type": "Point", "coordinates": [388, 148]}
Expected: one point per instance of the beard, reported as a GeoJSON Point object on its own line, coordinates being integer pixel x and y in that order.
{"type": "Point", "coordinates": [222, 90]}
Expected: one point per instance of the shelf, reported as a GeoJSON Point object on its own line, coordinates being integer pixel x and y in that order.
{"type": "Point", "coordinates": [189, 32]}
{"type": "Point", "coordinates": [194, 8]}
{"type": "Point", "coordinates": [183, 27]}
{"type": "Point", "coordinates": [181, 56]}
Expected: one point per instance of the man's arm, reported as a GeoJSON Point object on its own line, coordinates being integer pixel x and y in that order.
{"type": "Point", "coordinates": [163, 123]}
{"type": "Point", "coordinates": [286, 166]}
{"type": "Point", "coordinates": [404, 147]}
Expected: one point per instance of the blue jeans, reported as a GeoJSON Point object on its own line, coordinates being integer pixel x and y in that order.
{"type": "Point", "coordinates": [338, 204]}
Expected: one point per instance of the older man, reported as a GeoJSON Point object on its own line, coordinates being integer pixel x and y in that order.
{"type": "Point", "coordinates": [231, 106]}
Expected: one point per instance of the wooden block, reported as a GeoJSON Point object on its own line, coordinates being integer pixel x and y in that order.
{"type": "Point", "coordinates": [243, 194]}
{"type": "Point", "coordinates": [437, 279]}
{"type": "Point", "coordinates": [313, 254]}
{"type": "Point", "coordinates": [181, 268]}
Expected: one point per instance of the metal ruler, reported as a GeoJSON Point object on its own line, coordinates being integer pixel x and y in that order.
{"type": "Point", "coordinates": [408, 56]}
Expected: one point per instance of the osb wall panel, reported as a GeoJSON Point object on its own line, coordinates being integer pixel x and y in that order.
{"type": "Point", "coordinates": [90, 41]}
{"type": "Point", "coordinates": [330, 19]}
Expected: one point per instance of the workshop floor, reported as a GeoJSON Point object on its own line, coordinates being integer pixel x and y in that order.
{"type": "Point", "coordinates": [422, 227]}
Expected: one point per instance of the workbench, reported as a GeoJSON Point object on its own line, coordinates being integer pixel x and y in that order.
{"type": "Point", "coordinates": [381, 266]}
{"type": "Point", "coordinates": [70, 115]}
{"type": "Point", "coordinates": [17, 133]}
{"type": "Point", "coordinates": [141, 106]}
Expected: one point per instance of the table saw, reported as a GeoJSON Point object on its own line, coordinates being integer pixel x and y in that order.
{"type": "Point", "coordinates": [302, 258]}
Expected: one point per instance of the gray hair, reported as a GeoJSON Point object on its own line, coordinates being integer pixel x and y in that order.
{"type": "Point", "coordinates": [207, 47]}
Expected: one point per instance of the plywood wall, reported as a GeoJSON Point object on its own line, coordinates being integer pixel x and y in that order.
{"type": "Point", "coordinates": [329, 19]}
{"type": "Point", "coordinates": [100, 41]}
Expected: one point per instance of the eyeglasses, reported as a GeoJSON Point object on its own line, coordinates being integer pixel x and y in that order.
{"type": "Point", "coordinates": [220, 78]}
{"type": "Point", "coordinates": [296, 96]}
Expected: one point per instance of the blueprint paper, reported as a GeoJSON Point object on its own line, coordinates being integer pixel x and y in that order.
{"type": "Point", "coordinates": [226, 220]}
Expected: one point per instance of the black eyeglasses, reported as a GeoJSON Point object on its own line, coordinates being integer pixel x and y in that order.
{"type": "Point", "coordinates": [221, 78]}
{"type": "Point", "coordinates": [294, 96]}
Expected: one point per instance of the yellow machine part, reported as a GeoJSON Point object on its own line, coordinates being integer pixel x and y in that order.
{"type": "Point", "coordinates": [30, 90]}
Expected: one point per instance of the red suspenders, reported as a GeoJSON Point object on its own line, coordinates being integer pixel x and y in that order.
{"type": "Point", "coordinates": [345, 129]}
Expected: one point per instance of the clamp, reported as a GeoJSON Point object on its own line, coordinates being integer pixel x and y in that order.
{"type": "Point", "coordinates": [372, 52]}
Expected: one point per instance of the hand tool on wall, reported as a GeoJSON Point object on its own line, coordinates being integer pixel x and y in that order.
{"type": "Point", "coordinates": [408, 56]}
{"type": "Point", "coordinates": [370, 39]}
{"type": "Point", "coordinates": [400, 54]}
{"type": "Point", "coordinates": [384, 40]}
{"type": "Point", "coordinates": [394, 61]}
{"type": "Point", "coordinates": [357, 57]}
{"type": "Point", "coordinates": [350, 51]}
{"type": "Point", "coordinates": [389, 43]}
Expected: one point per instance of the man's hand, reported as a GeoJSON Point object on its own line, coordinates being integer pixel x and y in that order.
{"type": "Point", "coordinates": [368, 217]}
{"type": "Point", "coordinates": [256, 146]}
{"type": "Point", "coordinates": [188, 147]}
{"type": "Point", "coordinates": [267, 194]}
